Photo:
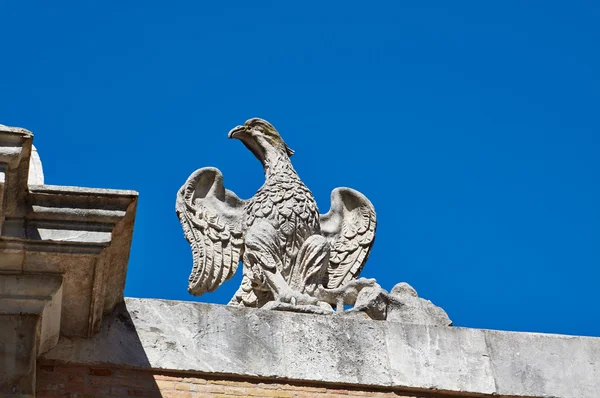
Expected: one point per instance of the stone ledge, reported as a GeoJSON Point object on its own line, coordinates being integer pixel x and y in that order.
{"type": "Point", "coordinates": [81, 234]}
{"type": "Point", "coordinates": [63, 259]}
{"type": "Point", "coordinates": [215, 339]}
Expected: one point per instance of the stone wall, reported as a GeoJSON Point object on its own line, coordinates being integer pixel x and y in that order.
{"type": "Point", "coordinates": [80, 381]}
{"type": "Point", "coordinates": [263, 346]}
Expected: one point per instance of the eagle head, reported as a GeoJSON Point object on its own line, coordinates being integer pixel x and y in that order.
{"type": "Point", "coordinates": [260, 137]}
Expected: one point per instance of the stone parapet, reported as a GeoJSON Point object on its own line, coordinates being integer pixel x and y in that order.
{"type": "Point", "coordinates": [200, 338]}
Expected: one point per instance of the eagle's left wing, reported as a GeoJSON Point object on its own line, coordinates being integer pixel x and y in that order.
{"type": "Point", "coordinates": [211, 217]}
{"type": "Point", "coordinates": [349, 226]}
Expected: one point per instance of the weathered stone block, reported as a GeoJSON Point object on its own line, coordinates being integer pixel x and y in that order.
{"type": "Point", "coordinates": [406, 307]}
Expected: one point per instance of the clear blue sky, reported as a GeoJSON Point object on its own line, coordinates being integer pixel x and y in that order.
{"type": "Point", "coordinates": [473, 127]}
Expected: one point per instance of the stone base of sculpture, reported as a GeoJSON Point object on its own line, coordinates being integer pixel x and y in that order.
{"type": "Point", "coordinates": [402, 304]}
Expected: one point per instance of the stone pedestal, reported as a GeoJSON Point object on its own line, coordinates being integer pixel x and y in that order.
{"type": "Point", "coordinates": [63, 259]}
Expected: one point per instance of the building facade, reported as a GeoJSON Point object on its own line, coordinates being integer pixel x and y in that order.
{"type": "Point", "coordinates": [67, 331]}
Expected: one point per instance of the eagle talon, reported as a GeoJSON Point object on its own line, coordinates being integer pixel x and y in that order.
{"type": "Point", "coordinates": [297, 298]}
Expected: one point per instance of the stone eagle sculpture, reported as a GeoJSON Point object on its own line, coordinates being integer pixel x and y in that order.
{"type": "Point", "coordinates": [293, 257]}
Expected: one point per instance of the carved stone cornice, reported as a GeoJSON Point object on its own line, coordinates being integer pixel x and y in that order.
{"type": "Point", "coordinates": [15, 151]}
{"type": "Point", "coordinates": [63, 258]}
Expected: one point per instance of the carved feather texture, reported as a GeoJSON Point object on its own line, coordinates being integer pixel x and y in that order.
{"type": "Point", "coordinates": [349, 226]}
{"type": "Point", "coordinates": [289, 206]}
{"type": "Point", "coordinates": [211, 218]}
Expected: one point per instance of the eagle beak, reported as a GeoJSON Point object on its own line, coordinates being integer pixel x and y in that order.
{"type": "Point", "coordinates": [236, 132]}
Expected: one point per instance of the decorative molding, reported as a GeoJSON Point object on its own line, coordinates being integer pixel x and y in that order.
{"type": "Point", "coordinates": [63, 257]}
{"type": "Point", "coordinates": [30, 313]}
{"type": "Point", "coordinates": [39, 294]}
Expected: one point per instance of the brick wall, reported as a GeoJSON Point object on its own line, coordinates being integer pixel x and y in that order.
{"type": "Point", "coordinates": [71, 381]}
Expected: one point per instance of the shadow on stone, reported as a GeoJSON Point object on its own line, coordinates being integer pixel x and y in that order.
{"type": "Point", "coordinates": [101, 365]}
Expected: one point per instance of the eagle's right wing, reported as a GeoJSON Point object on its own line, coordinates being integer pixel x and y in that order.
{"type": "Point", "coordinates": [349, 227]}
{"type": "Point", "coordinates": [211, 217]}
